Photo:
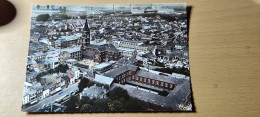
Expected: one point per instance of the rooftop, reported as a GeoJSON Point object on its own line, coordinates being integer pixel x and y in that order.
{"type": "Point", "coordinates": [115, 72]}
{"type": "Point", "coordinates": [94, 91]}
{"type": "Point", "coordinates": [109, 48]}
{"type": "Point", "coordinates": [71, 60]}
{"type": "Point", "coordinates": [170, 79]}
{"type": "Point", "coordinates": [69, 38]}
{"type": "Point", "coordinates": [73, 49]}
{"type": "Point", "coordinates": [103, 79]}
{"type": "Point", "coordinates": [102, 65]}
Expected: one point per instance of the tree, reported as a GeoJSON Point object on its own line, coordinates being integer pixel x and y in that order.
{"type": "Point", "coordinates": [87, 100]}
{"type": "Point", "coordinates": [38, 77]}
{"type": "Point", "coordinates": [83, 84]}
{"type": "Point", "coordinates": [51, 71]}
{"type": "Point", "coordinates": [116, 105]}
{"type": "Point", "coordinates": [119, 100]}
{"type": "Point", "coordinates": [101, 105]}
{"type": "Point", "coordinates": [86, 108]}
{"type": "Point", "coordinates": [83, 17]}
{"type": "Point", "coordinates": [43, 17]}
{"type": "Point", "coordinates": [64, 16]}
{"type": "Point", "coordinates": [102, 85]}
{"type": "Point", "coordinates": [118, 94]}
{"type": "Point", "coordinates": [90, 83]}
{"type": "Point", "coordinates": [133, 104]}
{"type": "Point", "coordinates": [53, 16]}
{"type": "Point", "coordinates": [71, 104]}
{"type": "Point", "coordinates": [61, 68]}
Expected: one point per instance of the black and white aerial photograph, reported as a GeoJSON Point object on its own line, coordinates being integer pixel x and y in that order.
{"type": "Point", "coordinates": [108, 58]}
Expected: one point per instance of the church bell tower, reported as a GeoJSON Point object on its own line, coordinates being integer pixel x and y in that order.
{"type": "Point", "coordinates": [85, 36]}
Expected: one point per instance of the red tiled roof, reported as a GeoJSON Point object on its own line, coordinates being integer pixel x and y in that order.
{"type": "Point", "coordinates": [70, 75]}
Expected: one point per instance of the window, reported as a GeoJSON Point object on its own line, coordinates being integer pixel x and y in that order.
{"type": "Point", "coordinates": [152, 81]}
{"type": "Point", "coordinates": [170, 85]}
{"type": "Point", "coordinates": [141, 79]}
{"type": "Point", "coordinates": [161, 83]}
{"type": "Point", "coordinates": [166, 84]}
{"type": "Point", "coordinates": [149, 81]}
{"type": "Point", "coordinates": [137, 78]}
{"type": "Point", "coordinates": [133, 77]}
{"type": "Point", "coordinates": [157, 82]}
{"type": "Point", "coordinates": [144, 79]}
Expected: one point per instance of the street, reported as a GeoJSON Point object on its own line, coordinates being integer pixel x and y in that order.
{"type": "Point", "coordinates": [51, 99]}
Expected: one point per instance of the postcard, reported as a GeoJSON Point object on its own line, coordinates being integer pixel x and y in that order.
{"type": "Point", "coordinates": [108, 58]}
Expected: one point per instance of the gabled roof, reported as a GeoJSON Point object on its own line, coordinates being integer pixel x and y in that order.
{"type": "Point", "coordinates": [133, 60]}
{"type": "Point", "coordinates": [108, 48]}
{"type": "Point", "coordinates": [179, 95]}
{"type": "Point", "coordinates": [120, 70]}
{"type": "Point", "coordinates": [38, 54]}
{"type": "Point", "coordinates": [94, 91]}
{"type": "Point", "coordinates": [103, 79]}
{"type": "Point", "coordinates": [170, 79]}
{"type": "Point", "coordinates": [37, 36]}
{"type": "Point", "coordinates": [65, 77]}
{"type": "Point", "coordinates": [73, 49]}
{"type": "Point", "coordinates": [38, 44]}
{"type": "Point", "coordinates": [31, 74]}
{"type": "Point", "coordinates": [70, 75]}
{"type": "Point", "coordinates": [89, 53]}
{"type": "Point", "coordinates": [102, 65]}
{"type": "Point", "coordinates": [37, 86]}
{"type": "Point", "coordinates": [48, 86]}
{"type": "Point", "coordinates": [31, 61]}
{"type": "Point", "coordinates": [56, 75]}
{"type": "Point", "coordinates": [149, 54]}
{"type": "Point", "coordinates": [124, 60]}
{"type": "Point", "coordinates": [74, 69]}
{"type": "Point", "coordinates": [89, 75]}
{"type": "Point", "coordinates": [82, 70]}
{"type": "Point", "coordinates": [111, 48]}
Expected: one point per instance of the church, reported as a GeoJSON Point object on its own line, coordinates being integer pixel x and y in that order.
{"type": "Point", "coordinates": [97, 53]}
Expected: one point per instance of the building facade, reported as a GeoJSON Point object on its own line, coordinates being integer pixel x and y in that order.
{"type": "Point", "coordinates": [129, 74]}
{"type": "Point", "coordinates": [98, 53]}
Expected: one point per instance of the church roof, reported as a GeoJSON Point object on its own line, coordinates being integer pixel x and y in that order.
{"type": "Point", "coordinates": [89, 53]}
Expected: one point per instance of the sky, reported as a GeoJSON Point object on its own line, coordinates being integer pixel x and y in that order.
{"type": "Point", "coordinates": [117, 6]}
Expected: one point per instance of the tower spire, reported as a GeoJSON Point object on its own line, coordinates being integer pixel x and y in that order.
{"type": "Point", "coordinates": [85, 36]}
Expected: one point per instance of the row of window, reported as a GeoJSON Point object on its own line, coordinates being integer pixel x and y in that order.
{"type": "Point", "coordinates": [151, 81]}
{"type": "Point", "coordinates": [123, 75]}
{"type": "Point", "coordinates": [146, 80]}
